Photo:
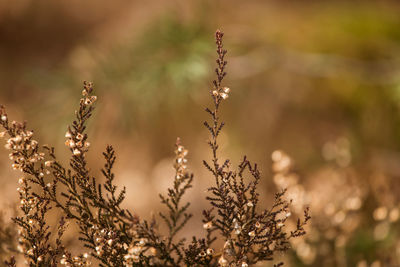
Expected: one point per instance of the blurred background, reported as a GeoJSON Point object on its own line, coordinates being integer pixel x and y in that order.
{"type": "Point", "coordinates": [318, 82]}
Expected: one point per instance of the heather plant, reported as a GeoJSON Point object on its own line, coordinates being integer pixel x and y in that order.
{"type": "Point", "coordinates": [238, 232]}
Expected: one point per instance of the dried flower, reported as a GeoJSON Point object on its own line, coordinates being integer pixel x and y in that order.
{"type": "Point", "coordinates": [222, 261]}
{"type": "Point", "coordinates": [207, 225]}
{"type": "Point", "coordinates": [223, 95]}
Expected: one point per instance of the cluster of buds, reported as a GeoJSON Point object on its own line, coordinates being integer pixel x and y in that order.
{"type": "Point", "coordinates": [136, 249]}
{"type": "Point", "coordinates": [107, 243]}
{"type": "Point", "coordinates": [104, 240]}
{"type": "Point", "coordinates": [87, 98]}
{"type": "Point", "coordinates": [221, 92]}
{"type": "Point", "coordinates": [248, 227]}
{"type": "Point", "coordinates": [76, 143]}
{"type": "Point", "coordinates": [27, 200]}
{"type": "Point", "coordinates": [23, 245]}
{"type": "Point", "coordinates": [180, 160]}
{"type": "Point", "coordinates": [133, 255]}
{"type": "Point", "coordinates": [81, 260]}
{"type": "Point", "coordinates": [24, 150]}
{"type": "Point", "coordinates": [31, 223]}
{"type": "Point", "coordinates": [223, 260]}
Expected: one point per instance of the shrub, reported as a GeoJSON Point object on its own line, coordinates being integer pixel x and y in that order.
{"type": "Point", "coordinates": [115, 236]}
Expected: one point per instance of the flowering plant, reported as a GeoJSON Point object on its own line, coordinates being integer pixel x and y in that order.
{"type": "Point", "coordinates": [237, 231]}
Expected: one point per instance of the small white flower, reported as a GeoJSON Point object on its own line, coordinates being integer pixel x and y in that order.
{"type": "Point", "coordinates": [48, 163]}
{"type": "Point", "coordinates": [223, 95]}
{"type": "Point", "coordinates": [20, 248]}
{"type": "Point", "coordinates": [202, 254]}
{"type": "Point", "coordinates": [79, 144]}
{"type": "Point", "coordinates": [70, 143]}
{"type": "Point", "coordinates": [3, 117]}
{"type": "Point", "coordinates": [76, 152]}
{"type": "Point", "coordinates": [34, 143]}
{"type": "Point", "coordinates": [207, 225]}
{"type": "Point", "coordinates": [226, 90]}
{"type": "Point", "coordinates": [15, 166]}
{"type": "Point", "coordinates": [222, 261]}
